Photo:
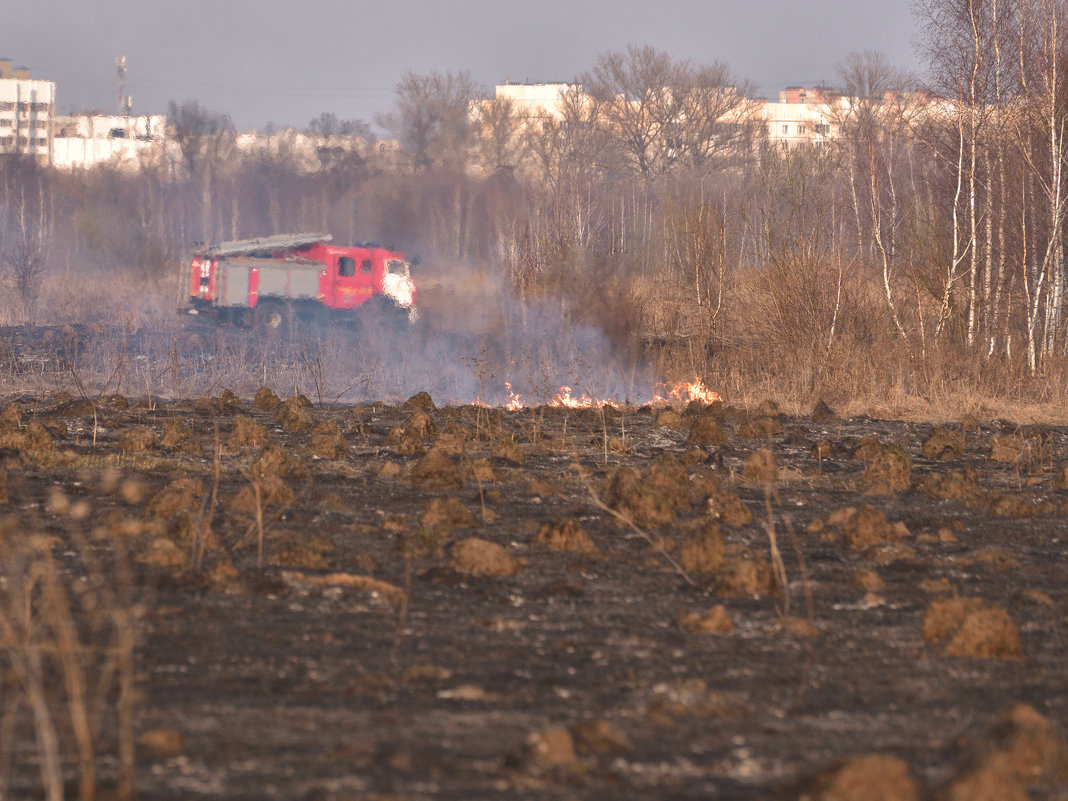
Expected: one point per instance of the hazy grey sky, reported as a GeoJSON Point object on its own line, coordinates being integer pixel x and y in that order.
{"type": "Point", "coordinates": [285, 61]}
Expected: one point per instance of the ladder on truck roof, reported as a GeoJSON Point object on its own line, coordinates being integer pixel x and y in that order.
{"type": "Point", "coordinates": [265, 245]}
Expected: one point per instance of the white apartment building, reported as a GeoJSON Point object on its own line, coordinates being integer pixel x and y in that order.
{"type": "Point", "coordinates": [27, 110]}
{"type": "Point", "coordinates": [534, 100]}
{"type": "Point", "coordinates": [125, 141]}
{"type": "Point", "coordinates": [802, 118]}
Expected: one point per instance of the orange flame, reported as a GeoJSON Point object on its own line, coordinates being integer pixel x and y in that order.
{"type": "Point", "coordinates": [564, 399]}
{"type": "Point", "coordinates": [514, 402]}
{"type": "Point", "coordinates": [687, 391]}
{"type": "Point", "coordinates": [681, 391]}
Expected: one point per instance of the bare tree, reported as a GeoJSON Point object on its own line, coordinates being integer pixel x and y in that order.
{"type": "Point", "coordinates": [499, 127]}
{"type": "Point", "coordinates": [26, 228]}
{"type": "Point", "coordinates": [431, 118]}
{"type": "Point", "coordinates": [666, 111]}
{"type": "Point", "coordinates": [327, 125]}
{"type": "Point", "coordinates": [874, 115]}
{"type": "Point", "coordinates": [206, 140]}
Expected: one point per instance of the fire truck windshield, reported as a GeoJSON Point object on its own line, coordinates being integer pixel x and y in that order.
{"type": "Point", "coordinates": [396, 267]}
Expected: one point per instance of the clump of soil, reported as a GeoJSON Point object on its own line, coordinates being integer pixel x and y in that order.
{"type": "Point", "coordinates": [822, 413]}
{"type": "Point", "coordinates": [654, 497]}
{"type": "Point", "coordinates": [407, 438]}
{"type": "Point", "coordinates": [866, 777]}
{"type": "Point", "coordinates": [295, 413]}
{"type": "Point", "coordinates": [704, 554]}
{"type": "Point", "coordinates": [437, 470]}
{"type": "Point", "coordinates": [138, 439]}
{"type": "Point", "coordinates": [35, 440]}
{"type": "Point", "coordinates": [1006, 449]}
{"type": "Point", "coordinates": [181, 495]}
{"type": "Point", "coordinates": [266, 489]}
{"type": "Point", "coordinates": [482, 558]}
{"type": "Point", "coordinates": [1060, 477]}
{"type": "Point", "coordinates": [446, 514]}
{"type": "Point", "coordinates": [822, 450]}
{"type": "Point", "coordinates": [1021, 755]}
{"type": "Point", "coordinates": [714, 621]}
{"type": "Point", "coordinates": [944, 443]}
{"type": "Point", "coordinates": [687, 698]}
{"type": "Point", "coordinates": [10, 418]}
{"type": "Point", "coordinates": [760, 467]}
{"type": "Point", "coordinates": [246, 434]}
{"type": "Point", "coordinates": [599, 737]}
{"type": "Point", "coordinates": [420, 401]}
{"type": "Point", "coordinates": [266, 399]}
{"type": "Point", "coordinates": [226, 403]}
{"type": "Point", "coordinates": [550, 748]}
{"type": "Point", "coordinates": [971, 627]}
{"type": "Point", "coordinates": [76, 407]}
{"type": "Point", "coordinates": [706, 431]}
{"type": "Point", "coordinates": [960, 485]}
{"type": "Point", "coordinates": [178, 436]}
{"type": "Point", "coordinates": [669, 417]}
{"type": "Point", "coordinates": [565, 535]}
{"type": "Point", "coordinates": [728, 507]}
{"type": "Point", "coordinates": [762, 426]}
{"type": "Point", "coordinates": [888, 470]}
{"type": "Point", "coordinates": [327, 442]}
{"type": "Point", "coordinates": [509, 451]}
{"type": "Point", "coordinates": [1013, 505]}
{"type": "Point", "coordinates": [746, 576]}
{"type": "Point", "coordinates": [865, 527]}
{"type": "Point", "coordinates": [302, 552]}
{"type": "Point", "coordinates": [272, 461]}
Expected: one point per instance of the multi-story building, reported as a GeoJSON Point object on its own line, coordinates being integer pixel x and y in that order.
{"type": "Point", "coordinates": [27, 111]}
{"type": "Point", "coordinates": [125, 141]}
{"type": "Point", "coordinates": [802, 118]}
{"type": "Point", "coordinates": [534, 101]}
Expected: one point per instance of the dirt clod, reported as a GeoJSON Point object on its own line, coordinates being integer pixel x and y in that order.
{"type": "Point", "coordinates": [823, 413]}
{"type": "Point", "coordinates": [138, 439]}
{"type": "Point", "coordinates": [944, 443]}
{"type": "Point", "coordinates": [565, 535]}
{"type": "Point", "coordinates": [1021, 756]}
{"type": "Point", "coordinates": [178, 436]}
{"type": "Point", "coordinates": [704, 554]}
{"type": "Point", "coordinates": [420, 401]}
{"type": "Point", "coordinates": [867, 777]}
{"type": "Point", "coordinates": [483, 558]}
{"type": "Point", "coordinates": [295, 413]}
{"type": "Point", "coordinates": [970, 627]}
{"type": "Point", "coordinates": [714, 621]}
{"type": "Point", "coordinates": [266, 400]}
{"type": "Point", "coordinates": [437, 470]}
{"type": "Point", "coordinates": [705, 431]}
{"type": "Point", "coordinates": [888, 470]}
{"type": "Point", "coordinates": [246, 434]}
{"type": "Point", "coordinates": [760, 467]}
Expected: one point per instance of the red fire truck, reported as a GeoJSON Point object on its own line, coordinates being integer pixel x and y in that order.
{"type": "Point", "coordinates": [278, 282]}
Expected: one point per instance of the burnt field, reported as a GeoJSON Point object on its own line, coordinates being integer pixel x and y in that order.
{"type": "Point", "coordinates": [400, 601]}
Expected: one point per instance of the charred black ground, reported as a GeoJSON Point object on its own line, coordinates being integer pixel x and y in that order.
{"type": "Point", "coordinates": [463, 602]}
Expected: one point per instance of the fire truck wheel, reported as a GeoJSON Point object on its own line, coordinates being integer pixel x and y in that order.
{"type": "Point", "coordinates": [269, 317]}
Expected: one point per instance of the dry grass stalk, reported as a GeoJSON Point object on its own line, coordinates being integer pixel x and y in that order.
{"type": "Point", "coordinates": [68, 650]}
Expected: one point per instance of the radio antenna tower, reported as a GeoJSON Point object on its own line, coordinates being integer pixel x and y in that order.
{"type": "Point", "coordinates": [125, 101]}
